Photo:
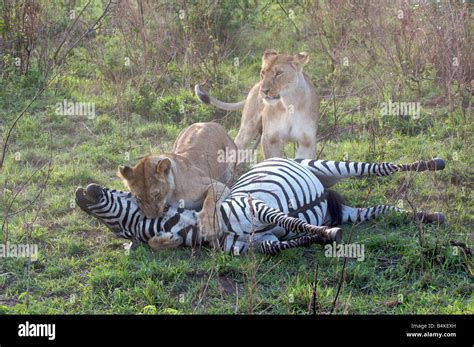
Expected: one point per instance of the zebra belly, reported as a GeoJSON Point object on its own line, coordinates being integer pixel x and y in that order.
{"type": "Point", "coordinates": [281, 184]}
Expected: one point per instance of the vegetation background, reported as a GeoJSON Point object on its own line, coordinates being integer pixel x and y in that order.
{"type": "Point", "coordinates": [136, 61]}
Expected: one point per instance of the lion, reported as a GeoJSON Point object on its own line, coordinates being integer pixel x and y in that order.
{"type": "Point", "coordinates": [282, 107]}
{"type": "Point", "coordinates": [192, 176]}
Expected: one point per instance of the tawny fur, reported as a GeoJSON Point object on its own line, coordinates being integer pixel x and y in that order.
{"type": "Point", "coordinates": [191, 176]}
{"type": "Point", "coordinates": [282, 107]}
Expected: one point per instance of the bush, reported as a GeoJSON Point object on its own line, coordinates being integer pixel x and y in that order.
{"type": "Point", "coordinates": [181, 109]}
{"type": "Point", "coordinates": [104, 123]}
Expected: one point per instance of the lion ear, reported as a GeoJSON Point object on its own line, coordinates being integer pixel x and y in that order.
{"type": "Point", "coordinates": [125, 172]}
{"type": "Point", "coordinates": [269, 53]}
{"type": "Point", "coordinates": [301, 58]}
{"type": "Point", "coordinates": [163, 166]}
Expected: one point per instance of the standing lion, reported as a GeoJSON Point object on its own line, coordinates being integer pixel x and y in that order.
{"type": "Point", "coordinates": [282, 107]}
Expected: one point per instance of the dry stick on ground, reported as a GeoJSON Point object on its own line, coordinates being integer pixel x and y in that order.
{"type": "Point", "coordinates": [30, 225]}
{"type": "Point", "coordinates": [168, 297]}
{"type": "Point", "coordinates": [48, 81]}
{"type": "Point", "coordinates": [419, 223]}
{"type": "Point", "coordinates": [28, 269]}
{"type": "Point", "coordinates": [204, 291]}
{"type": "Point", "coordinates": [341, 280]}
{"type": "Point", "coordinates": [7, 212]}
{"type": "Point", "coordinates": [420, 226]}
{"type": "Point", "coordinates": [346, 304]}
{"type": "Point", "coordinates": [467, 253]}
{"type": "Point", "coordinates": [236, 298]}
{"type": "Point", "coordinates": [435, 185]}
{"type": "Point", "coordinates": [252, 254]}
{"type": "Point", "coordinates": [314, 303]}
{"type": "Point", "coordinates": [192, 258]}
{"type": "Point", "coordinates": [268, 271]}
{"type": "Point", "coordinates": [214, 266]}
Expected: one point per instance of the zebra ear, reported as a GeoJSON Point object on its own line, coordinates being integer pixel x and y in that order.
{"type": "Point", "coordinates": [163, 166]}
{"type": "Point", "coordinates": [125, 172]}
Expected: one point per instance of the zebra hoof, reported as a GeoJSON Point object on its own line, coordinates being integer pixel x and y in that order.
{"type": "Point", "coordinates": [436, 217]}
{"type": "Point", "coordinates": [436, 164]}
{"type": "Point", "coordinates": [80, 199]}
{"type": "Point", "coordinates": [335, 234]}
{"type": "Point", "coordinates": [89, 196]}
{"type": "Point", "coordinates": [93, 193]}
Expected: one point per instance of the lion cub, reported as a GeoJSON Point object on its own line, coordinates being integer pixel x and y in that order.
{"type": "Point", "coordinates": [191, 177]}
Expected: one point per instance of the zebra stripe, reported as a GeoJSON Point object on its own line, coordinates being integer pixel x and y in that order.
{"type": "Point", "coordinates": [272, 247]}
{"type": "Point", "coordinates": [283, 185]}
{"type": "Point", "coordinates": [357, 215]}
{"type": "Point", "coordinates": [119, 211]}
{"type": "Point", "coordinates": [277, 205]}
{"type": "Point", "coordinates": [338, 169]}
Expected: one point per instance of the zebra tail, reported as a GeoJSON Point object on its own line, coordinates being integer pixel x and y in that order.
{"type": "Point", "coordinates": [335, 202]}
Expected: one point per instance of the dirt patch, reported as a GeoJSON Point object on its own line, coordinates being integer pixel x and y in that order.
{"type": "Point", "coordinates": [197, 274]}
{"type": "Point", "coordinates": [8, 302]}
{"type": "Point", "coordinates": [91, 235]}
{"type": "Point", "coordinates": [227, 284]}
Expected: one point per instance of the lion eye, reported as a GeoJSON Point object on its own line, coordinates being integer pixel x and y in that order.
{"type": "Point", "coordinates": [139, 199]}
{"type": "Point", "coordinates": [278, 73]}
{"type": "Point", "coordinates": [156, 196]}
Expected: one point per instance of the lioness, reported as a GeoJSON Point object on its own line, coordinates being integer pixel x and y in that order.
{"type": "Point", "coordinates": [283, 106]}
{"type": "Point", "coordinates": [192, 176]}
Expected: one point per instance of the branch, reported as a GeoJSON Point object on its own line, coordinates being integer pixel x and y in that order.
{"type": "Point", "coordinates": [69, 31]}
{"type": "Point", "coordinates": [46, 85]}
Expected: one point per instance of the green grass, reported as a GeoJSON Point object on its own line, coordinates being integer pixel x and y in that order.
{"type": "Point", "coordinates": [82, 268]}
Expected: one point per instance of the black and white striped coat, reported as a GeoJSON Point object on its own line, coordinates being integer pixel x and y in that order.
{"type": "Point", "coordinates": [278, 204]}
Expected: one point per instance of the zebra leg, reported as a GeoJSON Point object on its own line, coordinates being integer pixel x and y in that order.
{"type": "Point", "coordinates": [272, 246]}
{"type": "Point", "coordinates": [356, 215]}
{"type": "Point", "coordinates": [267, 215]}
{"type": "Point", "coordinates": [330, 172]}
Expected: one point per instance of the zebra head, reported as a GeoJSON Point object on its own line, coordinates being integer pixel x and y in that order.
{"type": "Point", "coordinates": [120, 213]}
{"type": "Point", "coordinates": [107, 205]}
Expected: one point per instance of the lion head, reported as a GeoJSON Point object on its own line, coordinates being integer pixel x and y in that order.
{"type": "Point", "coordinates": [280, 74]}
{"type": "Point", "coordinates": [150, 183]}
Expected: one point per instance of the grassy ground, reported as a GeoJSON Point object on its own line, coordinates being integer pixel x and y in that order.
{"type": "Point", "coordinates": [82, 268]}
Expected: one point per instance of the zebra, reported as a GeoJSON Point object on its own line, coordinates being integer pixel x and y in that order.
{"type": "Point", "coordinates": [278, 204]}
